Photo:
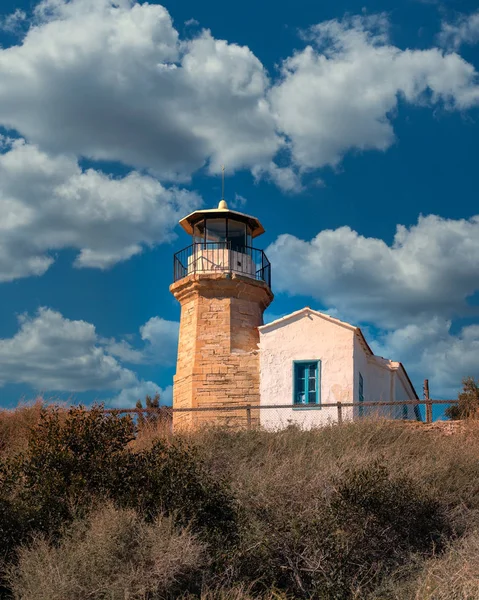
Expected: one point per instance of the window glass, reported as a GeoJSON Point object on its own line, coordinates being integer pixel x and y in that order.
{"type": "Point", "coordinates": [216, 230]}
{"type": "Point", "coordinates": [236, 235]}
{"type": "Point", "coordinates": [306, 383]}
{"type": "Point", "coordinates": [361, 394]}
{"type": "Point", "coordinates": [199, 232]}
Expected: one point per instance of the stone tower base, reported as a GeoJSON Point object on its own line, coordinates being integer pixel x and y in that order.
{"type": "Point", "coordinates": [218, 361]}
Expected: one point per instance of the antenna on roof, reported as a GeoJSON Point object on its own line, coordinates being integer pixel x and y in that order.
{"type": "Point", "coordinates": [222, 205]}
{"type": "Point", "coordinates": [222, 182]}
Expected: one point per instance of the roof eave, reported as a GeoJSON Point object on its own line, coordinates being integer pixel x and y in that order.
{"type": "Point", "coordinates": [188, 221]}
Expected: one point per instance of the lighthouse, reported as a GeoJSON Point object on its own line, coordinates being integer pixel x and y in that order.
{"type": "Point", "coordinates": [223, 284]}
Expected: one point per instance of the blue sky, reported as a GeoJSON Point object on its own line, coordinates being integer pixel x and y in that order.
{"type": "Point", "coordinates": [350, 130]}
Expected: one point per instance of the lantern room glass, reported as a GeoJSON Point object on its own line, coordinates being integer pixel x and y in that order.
{"type": "Point", "coordinates": [223, 231]}
{"type": "Point", "coordinates": [216, 231]}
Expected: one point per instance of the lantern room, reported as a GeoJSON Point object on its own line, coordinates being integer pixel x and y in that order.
{"type": "Point", "coordinates": [222, 242]}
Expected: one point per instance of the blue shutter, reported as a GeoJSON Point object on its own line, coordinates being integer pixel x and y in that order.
{"type": "Point", "coordinates": [306, 382]}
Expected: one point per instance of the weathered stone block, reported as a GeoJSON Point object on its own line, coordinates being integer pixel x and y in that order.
{"type": "Point", "coordinates": [218, 360]}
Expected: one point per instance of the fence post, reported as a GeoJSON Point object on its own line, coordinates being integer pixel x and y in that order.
{"type": "Point", "coordinates": [340, 413]}
{"type": "Point", "coordinates": [428, 402]}
{"type": "Point", "coordinates": [248, 416]}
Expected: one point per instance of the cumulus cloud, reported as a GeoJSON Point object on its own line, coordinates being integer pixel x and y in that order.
{"type": "Point", "coordinates": [430, 269]}
{"type": "Point", "coordinates": [111, 80]}
{"type": "Point", "coordinates": [161, 338]}
{"type": "Point", "coordinates": [12, 22]}
{"type": "Point", "coordinates": [52, 353]}
{"type": "Point", "coordinates": [160, 343]}
{"type": "Point", "coordinates": [341, 92]}
{"type": "Point", "coordinates": [130, 396]}
{"type": "Point", "coordinates": [430, 350]}
{"type": "Point", "coordinates": [49, 203]}
{"type": "Point", "coordinates": [464, 30]}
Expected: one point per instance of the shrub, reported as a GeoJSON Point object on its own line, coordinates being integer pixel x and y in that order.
{"type": "Point", "coordinates": [366, 524]}
{"type": "Point", "coordinates": [453, 576]}
{"type": "Point", "coordinates": [76, 459]}
{"type": "Point", "coordinates": [15, 427]}
{"type": "Point", "coordinates": [112, 555]}
{"type": "Point", "coordinates": [171, 478]}
{"type": "Point", "coordinates": [468, 401]}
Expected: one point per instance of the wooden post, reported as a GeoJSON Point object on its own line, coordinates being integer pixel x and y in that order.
{"type": "Point", "coordinates": [340, 413]}
{"type": "Point", "coordinates": [428, 402]}
{"type": "Point", "coordinates": [248, 416]}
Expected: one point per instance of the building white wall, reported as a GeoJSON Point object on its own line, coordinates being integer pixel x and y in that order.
{"type": "Point", "coordinates": [383, 381]}
{"type": "Point", "coordinates": [305, 337]}
{"type": "Point", "coordinates": [403, 392]}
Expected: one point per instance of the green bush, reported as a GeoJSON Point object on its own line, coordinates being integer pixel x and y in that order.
{"type": "Point", "coordinates": [112, 555]}
{"type": "Point", "coordinates": [366, 525]}
{"type": "Point", "coordinates": [78, 459]}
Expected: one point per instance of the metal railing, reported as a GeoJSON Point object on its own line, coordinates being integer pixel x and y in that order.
{"type": "Point", "coordinates": [245, 414]}
{"type": "Point", "coordinates": [222, 257]}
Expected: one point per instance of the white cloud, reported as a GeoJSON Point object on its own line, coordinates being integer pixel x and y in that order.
{"type": "Point", "coordinates": [429, 350]}
{"type": "Point", "coordinates": [286, 178]}
{"type": "Point", "coordinates": [341, 92]}
{"type": "Point", "coordinates": [161, 337]}
{"type": "Point", "coordinates": [12, 22]}
{"type": "Point", "coordinates": [465, 30]}
{"type": "Point", "coordinates": [52, 353]}
{"type": "Point", "coordinates": [430, 269]}
{"type": "Point", "coordinates": [111, 80]}
{"type": "Point", "coordinates": [123, 350]}
{"type": "Point", "coordinates": [129, 397]}
{"type": "Point", "coordinates": [48, 203]}
{"type": "Point", "coordinates": [238, 203]}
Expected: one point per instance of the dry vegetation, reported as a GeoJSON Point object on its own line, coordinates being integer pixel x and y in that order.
{"type": "Point", "coordinates": [366, 510]}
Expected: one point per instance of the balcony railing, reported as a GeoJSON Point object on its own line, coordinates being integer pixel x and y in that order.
{"type": "Point", "coordinates": [221, 257]}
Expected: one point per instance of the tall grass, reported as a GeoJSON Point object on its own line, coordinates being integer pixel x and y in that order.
{"type": "Point", "coordinates": [374, 509]}
{"type": "Point", "coordinates": [16, 424]}
{"type": "Point", "coordinates": [113, 554]}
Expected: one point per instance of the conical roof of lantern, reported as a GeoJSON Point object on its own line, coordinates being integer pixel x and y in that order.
{"type": "Point", "coordinates": [222, 212]}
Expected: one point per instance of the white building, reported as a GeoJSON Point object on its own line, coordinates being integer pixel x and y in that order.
{"type": "Point", "coordinates": [309, 359]}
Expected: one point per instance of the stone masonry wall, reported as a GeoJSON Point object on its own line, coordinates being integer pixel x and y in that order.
{"type": "Point", "coordinates": [218, 360]}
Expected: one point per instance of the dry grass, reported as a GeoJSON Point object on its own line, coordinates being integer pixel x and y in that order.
{"type": "Point", "coordinates": [238, 593]}
{"type": "Point", "coordinates": [113, 555]}
{"type": "Point", "coordinates": [16, 424]}
{"type": "Point", "coordinates": [285, 477]}
{"type": "Point", "coordinates": [455, 575]}
{"type": "Point", "coordinates": [151, 431]}
{"type": "Point", "coordinates": [290, 467]}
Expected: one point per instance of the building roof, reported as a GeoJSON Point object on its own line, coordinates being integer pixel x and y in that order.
{"type": "Point", "coordinates": [384, 362]}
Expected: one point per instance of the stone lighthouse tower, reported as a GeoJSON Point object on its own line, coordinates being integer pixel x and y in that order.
{"type": "Point", "coordinates": [223, 285]}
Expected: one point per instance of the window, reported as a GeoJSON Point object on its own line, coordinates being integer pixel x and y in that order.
{"type": "Point", "coordinates": [236, 235]}
{"type": "Point", "coordinates": [361, 394]}
{"type": "Point", "coordinates": [307, 382]}
{"type": "Point", "coordinates": [216, 231]}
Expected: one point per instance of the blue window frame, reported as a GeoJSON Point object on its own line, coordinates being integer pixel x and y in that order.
{"type": "Point", "coordinates": [306, 382]}
{"type": "Point", "coordinates": [361, 394]}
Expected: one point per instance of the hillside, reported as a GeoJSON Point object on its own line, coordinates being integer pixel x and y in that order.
{"type": "Point", "coordinates": [92, 507]}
